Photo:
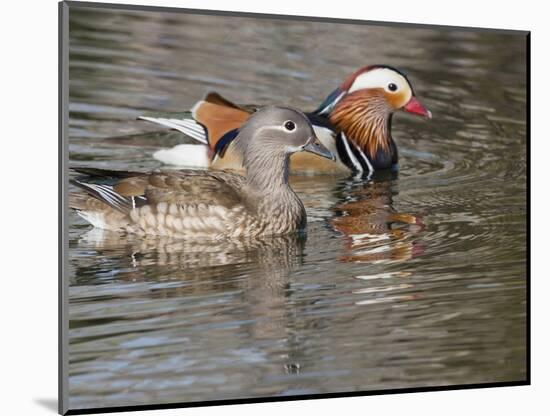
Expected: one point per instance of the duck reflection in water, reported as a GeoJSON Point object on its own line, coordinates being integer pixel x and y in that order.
{"type": "Point", "coordinates": [373, 229]}
{"type": "Point", "coordinates": [139, 259]}
{"type": "Point", "coordinates": [255, 273]}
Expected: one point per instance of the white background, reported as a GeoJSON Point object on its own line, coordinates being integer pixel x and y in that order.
{"type": "Point", "coordinates": [28, 220]}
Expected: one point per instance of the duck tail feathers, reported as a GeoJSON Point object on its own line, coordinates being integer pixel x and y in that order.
{"type": "Point", "coordinates": [182, 123]}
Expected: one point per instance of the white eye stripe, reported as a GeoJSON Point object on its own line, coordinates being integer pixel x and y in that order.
{"type": "Point", "coordinates": [380, 78]}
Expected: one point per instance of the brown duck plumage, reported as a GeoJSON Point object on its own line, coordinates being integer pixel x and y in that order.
{"type": "Point", "coordinates": [209, 204]}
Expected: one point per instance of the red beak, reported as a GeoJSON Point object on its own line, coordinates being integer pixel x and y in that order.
{"type": "Point", "coordinates": [414, 107]}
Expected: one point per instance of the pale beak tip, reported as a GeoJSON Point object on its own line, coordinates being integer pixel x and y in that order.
{"type": "Point", "coordinates": [429, 114]}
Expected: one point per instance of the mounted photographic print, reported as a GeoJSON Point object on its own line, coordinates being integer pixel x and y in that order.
{"type": "Point", "coordinates": [267, 208]}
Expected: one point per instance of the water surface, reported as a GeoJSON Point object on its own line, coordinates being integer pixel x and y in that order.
{"type": "Point", "coordinates": [410, 279]}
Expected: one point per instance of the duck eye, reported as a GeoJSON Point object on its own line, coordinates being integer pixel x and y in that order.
{"type": "Point", "coordinates": [290, 125]}
{"type": "Point", "coordinates": [392, 87]}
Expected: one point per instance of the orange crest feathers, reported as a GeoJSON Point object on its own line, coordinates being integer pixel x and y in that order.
{"type": "Point", "coordinates": [363, 116]}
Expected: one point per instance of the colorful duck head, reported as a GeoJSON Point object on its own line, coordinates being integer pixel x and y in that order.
{"type": "Point", "coordinates": [363, 105]}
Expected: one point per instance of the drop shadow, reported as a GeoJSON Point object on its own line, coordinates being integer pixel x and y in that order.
{"type": "Point", "coordinates": [49, 404]}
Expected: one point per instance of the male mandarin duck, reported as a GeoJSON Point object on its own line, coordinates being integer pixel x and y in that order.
{"type": "Point", "coordinates": [354, 123]}
{"type": "Point", "coordinates": [210, 204]}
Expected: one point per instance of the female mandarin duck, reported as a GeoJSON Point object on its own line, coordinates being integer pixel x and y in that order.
{"type": "Point", "coordinates": [354, 123]}
{"type": "Point", "coordinates": [210, 204]}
